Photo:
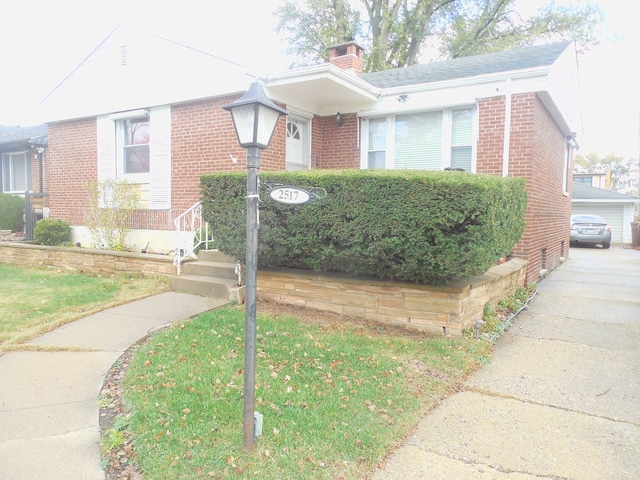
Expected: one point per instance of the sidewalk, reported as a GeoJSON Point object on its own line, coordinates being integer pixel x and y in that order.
{"type": "Point", "coordinates": [561, 396]}
{"type": "Point", "coordinates": [49, 427]}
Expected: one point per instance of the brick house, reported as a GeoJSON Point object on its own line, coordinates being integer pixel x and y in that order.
{"type": "Point", "coordinates": [147, 109]}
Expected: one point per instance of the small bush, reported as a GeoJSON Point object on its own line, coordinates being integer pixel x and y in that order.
{"type": "Point", "coordinates": [51, 232]}
{"type": "Point", "coordinates": [11, 212]}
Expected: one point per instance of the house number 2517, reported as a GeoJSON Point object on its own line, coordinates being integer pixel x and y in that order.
{"type": "Point", "coordinates": [289, 195]}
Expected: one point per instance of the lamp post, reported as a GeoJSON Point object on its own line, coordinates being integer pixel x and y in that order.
{"type": "Point", "coordinates": [255, 118]}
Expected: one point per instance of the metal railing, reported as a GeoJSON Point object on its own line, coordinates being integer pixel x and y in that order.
{"type": "Point", "coordinates": [191, 232]}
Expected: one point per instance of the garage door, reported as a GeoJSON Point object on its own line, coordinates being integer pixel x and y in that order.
{"type": "Point", "coordinates": [613, 214]}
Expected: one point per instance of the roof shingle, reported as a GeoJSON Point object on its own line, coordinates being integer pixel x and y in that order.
{"type": "Point", "coordinates": [464, 67]}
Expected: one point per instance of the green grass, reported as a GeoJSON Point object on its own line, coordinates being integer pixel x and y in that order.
{"type": "Point", "coordinates": [335, 398]}
{"type": "Point", "coordinates": [36, 300]}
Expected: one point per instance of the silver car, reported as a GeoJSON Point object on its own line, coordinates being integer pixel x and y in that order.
{"type": "Point", "coordinates": [590, 230]}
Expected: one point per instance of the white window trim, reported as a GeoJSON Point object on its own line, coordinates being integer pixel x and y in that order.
{"type": "Point", "coordinates": [565, 168]}
{"type": "Point", "coordinates": [27, 172]}
{"type": "Point", "coordinates": [447, 126]}
{"type": "Point", "coordinates": [120, 151]}
{"type": "Point", "coordinates": [143, 112]}
{"type": "Point", "coordinates": [306, 145]}
{"type": "Point", "coordinates": [159, 179]}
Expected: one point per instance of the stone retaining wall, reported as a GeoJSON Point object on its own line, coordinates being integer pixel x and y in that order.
{"type": "Point", "coordinates": [448, 309]}
{"type": "Point", "coordinates": [104, 262]}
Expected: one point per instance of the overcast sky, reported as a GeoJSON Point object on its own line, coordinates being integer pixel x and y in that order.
{"type": "Point", "coordinates": [41, 41]}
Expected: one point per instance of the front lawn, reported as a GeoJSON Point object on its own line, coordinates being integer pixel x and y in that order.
{"type": "Point", "coordinates": [36, 300]}
{"type": "Point", "coordinates": [336, 394]}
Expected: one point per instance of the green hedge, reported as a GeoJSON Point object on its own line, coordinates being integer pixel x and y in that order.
{"type": "Point", "coordinates": [415, 226]}
{"type": "Point", "coordinates": [11, 212]}
{"type": "Point", "coordinates": [50, 231]}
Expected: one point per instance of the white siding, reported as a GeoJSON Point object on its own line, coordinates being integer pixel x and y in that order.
{"type": "Point", "coordinates": [106, 139]}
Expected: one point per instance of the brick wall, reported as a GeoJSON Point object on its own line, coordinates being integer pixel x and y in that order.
{"type": "Point", "coordinates": [336, 147]}
{"type": "Point", "coordinates": [37, 183]}
{"type": "Point", "coordinates": [449, 309]}
{"type": "Point", "coordinates": [203, 141]}
{"type": "Point", "coordinates": [70, 165]}
{"type": "Point", "coordinates": [536, 152]}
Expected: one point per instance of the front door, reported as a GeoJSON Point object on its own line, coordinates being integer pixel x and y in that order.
{"type": "Point", "coordinates": [298, 154]}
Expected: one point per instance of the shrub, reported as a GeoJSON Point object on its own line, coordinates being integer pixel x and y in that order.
{"type": "Point", "coordinates": [51, 232]}
{"type": "Point", "coordinates": [415, 226]}
{"type": "Point", "coordinates": [111, 206]}
{"type": "Point", "coordinates": [11, 212]}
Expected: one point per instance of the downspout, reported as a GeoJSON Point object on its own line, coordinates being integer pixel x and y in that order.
{"type": "Point", "coordinates": [507, 128]}
{"type": "Point", "coordinates": [41, 168]}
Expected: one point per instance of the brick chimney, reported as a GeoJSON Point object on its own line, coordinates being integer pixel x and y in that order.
{"type": "Point", "coordinates": [347, 56]}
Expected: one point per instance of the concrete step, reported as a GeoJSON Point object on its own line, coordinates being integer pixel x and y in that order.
{"type": "Point", "coordinates": [210, 269]}
{"type": "Point", "coordinates": [213, 287]}
{"type": "Point", "coordinates": [215, 256]}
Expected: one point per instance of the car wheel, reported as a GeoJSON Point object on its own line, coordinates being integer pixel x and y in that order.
{"type": "Point", "coordinates": [606, 245]}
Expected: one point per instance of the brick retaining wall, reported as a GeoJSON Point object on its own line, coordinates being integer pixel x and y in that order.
{"type": "Point", "coordinates": [448, 309]}
{"type": "Point", "coordinates": [104, 262]}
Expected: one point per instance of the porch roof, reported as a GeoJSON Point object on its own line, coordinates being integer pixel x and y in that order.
{"type": "Point", "coordinates": [321, 89]}
{"type": "Point", "coordinates": [12, 138]}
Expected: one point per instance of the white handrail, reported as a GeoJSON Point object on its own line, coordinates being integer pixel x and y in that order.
{"type": "Point", "coordinates": [190, 230]}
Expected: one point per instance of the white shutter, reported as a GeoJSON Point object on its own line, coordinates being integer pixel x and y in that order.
{"type": "Point", "coordinates": [106, 145]}
{"type": "Point", "coordinates": [419, 141]}
{"type": "Point", "coordinates": [160, 151]}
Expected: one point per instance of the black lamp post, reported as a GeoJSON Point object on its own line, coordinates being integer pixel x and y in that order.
{"type": "Point", "coordinates": [255, 118]}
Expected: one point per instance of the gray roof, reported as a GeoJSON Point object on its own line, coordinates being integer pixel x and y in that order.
{"type": "Point", "coordinates": [587, 192]}
{"type": "Point", "coordinates": [464, 67]}
{"type": "Point", "coordinates": [36, 135]}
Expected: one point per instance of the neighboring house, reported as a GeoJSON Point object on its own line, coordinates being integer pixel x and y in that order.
{"type": "Point", "coordinates": [22, 153]}
{"type": "Point", "coordinates": [598, 180]}
{"type": "Point", "coordinates": [616, 208]}
{"type": "Point", "coordinates": [147, 109]}
{"type": "Point", "coordinates": [21, 159]}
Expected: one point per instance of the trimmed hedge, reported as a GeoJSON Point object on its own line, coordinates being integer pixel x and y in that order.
{"type": "Point", "coordinates": [11, 212]}
{"type": "Point", "coordinates": [414, 226]}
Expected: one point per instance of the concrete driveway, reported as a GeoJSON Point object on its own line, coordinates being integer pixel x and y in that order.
{"type": "Point", "coordinates": [561, 396]}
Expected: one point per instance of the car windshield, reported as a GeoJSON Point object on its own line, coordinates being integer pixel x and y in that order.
{"type": "Point", "coordinates": [587, 219]}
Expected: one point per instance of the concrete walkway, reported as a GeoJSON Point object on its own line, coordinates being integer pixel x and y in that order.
{"type": "Point", "coordinates": [561, 396]}
{"type": "Point", "coordinates": [49, 426]}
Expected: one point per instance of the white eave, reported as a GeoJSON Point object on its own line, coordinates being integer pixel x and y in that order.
{"type": "Point", "coordinates": [321, 89]}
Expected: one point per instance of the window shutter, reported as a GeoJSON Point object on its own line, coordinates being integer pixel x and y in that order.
{"type": "Point", "coordinates": [160, 152]}
{"type": "Point", "coordinates": [106, 145]}
{"type": "Point", "coordinates": [419, 141]}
